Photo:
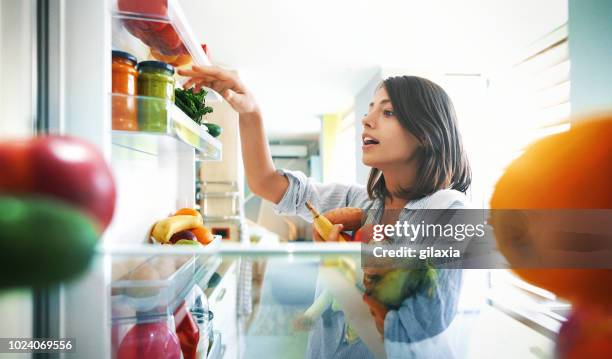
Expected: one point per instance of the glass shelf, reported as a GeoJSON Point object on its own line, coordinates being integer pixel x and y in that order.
{"type": "Point", "coordinates": [154, 117]}
{"type": "Point", "coordinates": [156, 284]}
{"type": "Point", "coordinates": [158, 30]}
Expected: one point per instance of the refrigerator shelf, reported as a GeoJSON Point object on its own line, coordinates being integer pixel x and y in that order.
{"type": "Point", "coordinates": [159, 117]}
{"type": "Point", "coordinates": [139, 300]}
{"type": "Point", "coordinates": [157, 30]}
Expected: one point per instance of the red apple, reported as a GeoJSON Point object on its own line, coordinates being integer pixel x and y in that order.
{"type": "Point", "coordinates": [65, 168]}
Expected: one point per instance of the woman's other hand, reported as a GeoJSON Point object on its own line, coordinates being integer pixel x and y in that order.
{"type": "Point", "coordinates": [225, 82]}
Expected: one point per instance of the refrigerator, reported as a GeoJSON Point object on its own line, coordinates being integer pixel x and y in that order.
{"type": "Point", "coordinates": [247, 299]}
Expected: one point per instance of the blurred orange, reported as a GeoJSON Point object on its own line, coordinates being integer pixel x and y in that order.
{"type": "Point", "coordinates": [569, 170]}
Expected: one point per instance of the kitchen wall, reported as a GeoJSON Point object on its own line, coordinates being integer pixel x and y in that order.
{"type": "Point", "coordinates": [590, 41]}
{"type": "Point", "coordinates": [362, 101]}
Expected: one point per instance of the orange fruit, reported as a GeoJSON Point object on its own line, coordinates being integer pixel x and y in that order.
{"type": "Point", "coordinates": [203, 235]}
{"type": "Point", "coordinates": [187, 212]}
{"type": "Point", "coordinates": [569, 170]}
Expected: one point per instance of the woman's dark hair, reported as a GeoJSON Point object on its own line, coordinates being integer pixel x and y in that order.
{"type": "Point", "coordinates": [425, 110]}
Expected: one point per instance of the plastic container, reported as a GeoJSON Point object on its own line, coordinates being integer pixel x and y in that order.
{"type": "Point", "coordinates": [155, 79]}
{"type": "Point", "coordinates": [125, 82]}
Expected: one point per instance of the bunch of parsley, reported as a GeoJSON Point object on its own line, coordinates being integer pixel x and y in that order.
{"type": "Point", "coordinates": [192, 103]}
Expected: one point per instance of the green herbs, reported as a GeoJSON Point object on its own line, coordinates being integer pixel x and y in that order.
{"type": "Point", "coordinates": [192, 103]}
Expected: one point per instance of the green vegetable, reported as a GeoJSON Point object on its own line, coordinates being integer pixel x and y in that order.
{"type": "Point", "coordinates": [193, 104]}
{"type": "Point", "coordinates": [43, 242]}
{"type": "Point", "coordinates": [213, 129]}
{"type": "Point", "coordinates": [399, 284]}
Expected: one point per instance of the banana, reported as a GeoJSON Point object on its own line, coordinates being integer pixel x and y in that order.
{"type": "Point", "coordinates": [165, 228]}
{"type": "Point", "coordinates": [323, 225]}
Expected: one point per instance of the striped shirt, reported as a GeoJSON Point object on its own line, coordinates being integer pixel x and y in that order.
{"type": "Point", "coordinates": [417, 328]}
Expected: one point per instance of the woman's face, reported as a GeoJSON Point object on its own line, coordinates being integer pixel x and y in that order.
{"type": "Point", "coordinates": [385, 142]}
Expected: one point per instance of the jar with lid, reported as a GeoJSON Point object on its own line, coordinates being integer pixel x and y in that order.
{"type": "Point", "coordinates": [155, 80]}
{"type": "Point", "coordinates": [124, 88]}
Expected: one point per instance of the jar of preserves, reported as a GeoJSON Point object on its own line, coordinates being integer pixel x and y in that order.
{"type": "Point", "coordinates": [155, 80]}
{"type": "Point", "coordinates": [124, 88]}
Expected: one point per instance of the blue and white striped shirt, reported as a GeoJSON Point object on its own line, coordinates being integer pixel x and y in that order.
{"type": "Point", "coordinates": [417, 328]}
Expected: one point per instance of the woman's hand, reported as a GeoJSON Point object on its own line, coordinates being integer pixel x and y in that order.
{"type": "Point", "coordinates": [226, 83]}
{"type": "Point", "coordinates": [344, 219]}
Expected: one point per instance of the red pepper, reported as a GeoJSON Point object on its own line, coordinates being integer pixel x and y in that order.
{"type": "Point", "coordinates": [187, 331]}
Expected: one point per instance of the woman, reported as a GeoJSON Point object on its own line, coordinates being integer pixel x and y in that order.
{"type": "Point", "coordinates": [412, 144]}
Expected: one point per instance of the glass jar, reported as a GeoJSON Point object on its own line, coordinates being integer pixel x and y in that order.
{"type": "Point", "coordinates": [125, 75]}
{"type": "Point", "coordinates": [155, 79]}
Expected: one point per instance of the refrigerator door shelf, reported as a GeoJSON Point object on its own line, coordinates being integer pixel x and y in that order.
{"type": "Point", "coordinates": [157, 118]}
{"type": "Point", "coordinates": [153, 287]}
{"type": "Point", "coordinates": [158, 30]}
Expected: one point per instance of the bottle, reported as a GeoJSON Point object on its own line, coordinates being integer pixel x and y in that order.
{"type": "Point", "coordinates": [155, 79]}
{"type": "Point", "coordinates": [323, 225]}
{"type": "Point", "coordinates": [124, 90]}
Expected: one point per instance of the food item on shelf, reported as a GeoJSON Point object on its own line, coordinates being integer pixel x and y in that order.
{"type": "Point", "coordinates": [193, 104]}
{"type": "Point", "coordinates": [164, 229]}
{"type": "Point", "coordinates": [169, 59]}
{"type": "Point", "coordinates": [156, 340]}
{"type": "Point", "coordinates": [185, 226]}
{"type": "Point", "coordinates": [323, 225]}
{"type": "Point", "coordinates": [159, 8]}
{"type": "Point", "coordinates": [168, 41]}
{"type": "Point", "coordinates": [187, 331]}
{"type": "Point", "coordinates": [182, 60]}
{"type": "Point", "coordinates": [203, 235]}
{"type": "Point", "coordinates": [66, 168]}
{"type": "Point", "coordinates": [174, 60]}
{"type": "Point", "coordinates": [155, 79]}
{"type": "Point", "coordinates": [183, 235]}
{"type": "Point", "coordinates": [188, 242]}
{"type": "Point", "coordinates": [124, 82]}
{"type": "Point", "coordinates": [122, 267]}
{"type": "Point", "coordinates": [143, 273]}
{"type": "Point", "coordinates": [165, 266]}
{"type": "Point", "coordinates": [43, 241]}
{"type": "Point", "coordinates": [214, 129]}
{"type": "Point", "coordinates": [587, 334]}
{"type": "Point", "coordinates": [569, 170]}
{"type": "Point", "coordinates": [188, 211]}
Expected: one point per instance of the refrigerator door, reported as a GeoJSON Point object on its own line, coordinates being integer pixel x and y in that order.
{"type": "Point", "coordinates": [17, 119]}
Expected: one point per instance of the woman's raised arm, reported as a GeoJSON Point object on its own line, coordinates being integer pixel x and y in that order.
{"type": "Point", "coordinates": [261, 175]}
